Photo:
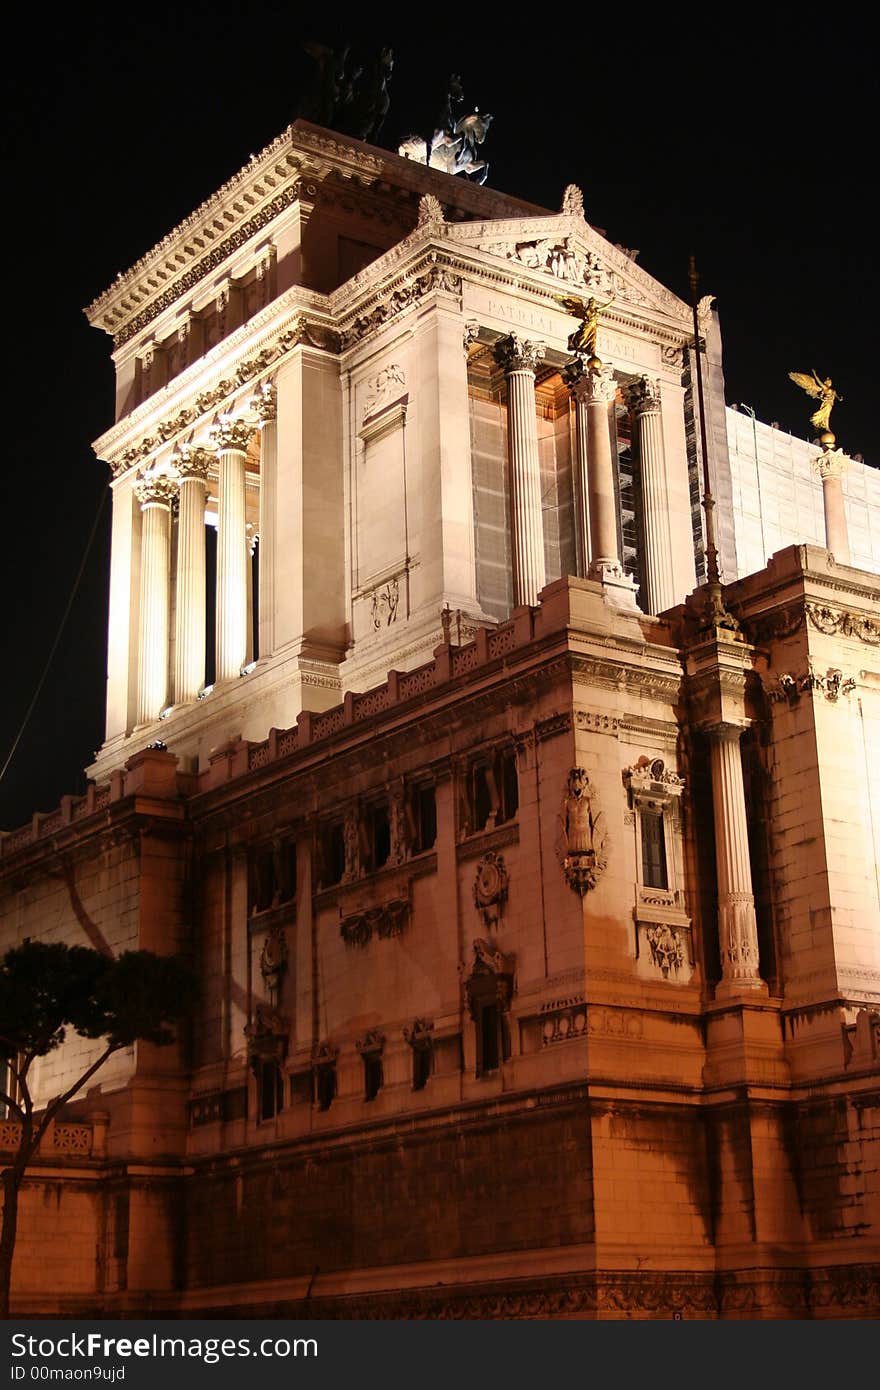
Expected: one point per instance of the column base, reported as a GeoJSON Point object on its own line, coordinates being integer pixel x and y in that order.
{"type": "Point", "coordinates": [727, 990]}
{"type": "Point", "coordinates": [620, 590]}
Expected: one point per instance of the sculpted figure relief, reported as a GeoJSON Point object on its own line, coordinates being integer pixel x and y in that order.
{"type": "Point", "coordinates": [584, 832]}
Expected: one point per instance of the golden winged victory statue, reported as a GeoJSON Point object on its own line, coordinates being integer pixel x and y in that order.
{"type": "Point", "coordinates": [583, 339]}
{"type": "Point", "coordinates": [822, 391]}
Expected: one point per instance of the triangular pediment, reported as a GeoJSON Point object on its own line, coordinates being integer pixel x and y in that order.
{"type": "Point", "coordinates": [571, 253]}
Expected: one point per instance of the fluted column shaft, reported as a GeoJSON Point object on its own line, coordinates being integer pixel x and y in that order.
{"type": "Point", "coordinates": [156, 491]}
{"type": "Point", "coordinates": [231, 440]}
{"type": "Point", "coordinates": [581, 485]}
{"type": "Point", "coordinates": [737, 924]}
{"type": "Point", "coordinates": [189, 643]}
{"type": "Point", "coordinates": [266, 407]}
{"type": "Point", "coordinates": [658, 578]}
{"type": "Point", "coordinates": [831, 467]}
{"type": "Point", "coordinates": [520, 359]}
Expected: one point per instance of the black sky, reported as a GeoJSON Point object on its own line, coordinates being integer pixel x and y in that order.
{"type": "Point", "coordinates": [746, 140]}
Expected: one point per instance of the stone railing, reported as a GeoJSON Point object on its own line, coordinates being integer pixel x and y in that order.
{"type": "Point", "coordinates": [61, 1140]}
{"type": "Point", "coordinates": [449, 663]}
{"type": "Point", "coordinates": [154, 771]}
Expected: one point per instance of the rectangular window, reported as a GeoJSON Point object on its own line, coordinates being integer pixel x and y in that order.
{"type": "Point", "coordinates": [325, 1086]}
{"type": "Point", "coordinates": [421, 1066]}
{"type": "Point", "coordinates": [378, 828]}
{"type": "Point", "coordinates": [332, 854]}
{"type": "Point", "coordinates": [489, 1039]}
{"type": "Point", "coordinates": [653, 848]}
{"type": "Point", "coordinates": [424, 809]}
{"type": "Point", "coordinates": [494, 790]}
{"type": "Point", "coordinates": [373, 1077]}
{"type": "Point", "coordinates": [271, 1087]}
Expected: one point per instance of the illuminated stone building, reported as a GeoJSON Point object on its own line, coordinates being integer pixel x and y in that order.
{"type": "Point", "coordinates": [536, 915]}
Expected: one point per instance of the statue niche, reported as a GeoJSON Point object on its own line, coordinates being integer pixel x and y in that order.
{"type": "Point", "coordinates": [584, 834]}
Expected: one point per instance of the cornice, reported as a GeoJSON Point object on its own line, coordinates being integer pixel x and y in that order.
{"type": "Point", "coordinates": [230, 371]}
{"type": "Point", "coordinates": [249, 202]}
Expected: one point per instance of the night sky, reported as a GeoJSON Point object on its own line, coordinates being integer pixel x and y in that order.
{"type": "Point", "coordinates": [750, 143]}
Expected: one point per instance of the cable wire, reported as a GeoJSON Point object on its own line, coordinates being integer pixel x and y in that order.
{"type": "Point", "coordinates": [61, 627]}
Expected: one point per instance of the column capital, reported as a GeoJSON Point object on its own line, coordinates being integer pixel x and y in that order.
{"type": "Point", "coordinates": [517, 354]}
{"type": "Point", "coordinates": [230, 435]}
{"type": "Point", "coordinates": [643, 396]}
{"type": "Point", "coordinates": [592, 385]}
{"type": "Point", "coordinates": [265, 404]}
{"type": "Point", "coordinates": [833, 463]}
{"type": "Point", "coordinates": [191, 461]}
{"type": "Point", "coordinates": [157, 486]}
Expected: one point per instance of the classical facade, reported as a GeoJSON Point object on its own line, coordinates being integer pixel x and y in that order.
{"type": "Point", "coordinates": [535, 911]}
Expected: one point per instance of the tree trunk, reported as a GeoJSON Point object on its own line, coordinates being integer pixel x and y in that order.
{"type": "Point", "coordinates": [12, 1178]}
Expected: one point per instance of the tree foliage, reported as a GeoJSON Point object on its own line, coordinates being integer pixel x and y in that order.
{"type": "Point", "coordinates": [49, 989]}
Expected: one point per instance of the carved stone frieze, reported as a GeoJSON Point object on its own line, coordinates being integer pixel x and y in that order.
{"type": "Point", "coordinates": [775, 626]}
{"type": "Point", "coordinates": [553, 727]}
{"type": "Point", "coordinates": [842, 623]}
{"type": "Point", "coordinates": [584, 836]}
{"type": "Point", "coordinates": [386, 920]}
{"type": "Point", "coordinates": [302, 331]}
{"type": "Point", "coordinates": [596, 723]}
{"type": "Point", "coordinates": [209, 262]}
{"type": "Point", "coordinates": [490, 889]}
{"type": "Point", "coordinates": [787, 687]}
{"type": "Point", "coordinates": [438, 277]}
{"type": "Point", "coordinates": [265, 404]}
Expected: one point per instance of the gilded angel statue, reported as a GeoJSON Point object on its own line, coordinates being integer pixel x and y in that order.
{"type": "Point", "coordinates": [583, 339]}
{"type": "Point", "coordinates": [822, 391]}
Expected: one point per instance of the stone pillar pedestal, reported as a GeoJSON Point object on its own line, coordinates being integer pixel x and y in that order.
{"type": "Point", "coordinates": [156, 491]}
{"type": "Point", "coordinates": [737, 925]}
{"type": "Point", "coordinates": [189, 643]}
{"type": "Point", "coordinates": [595, 388]}
{"type": "Point", "coordinates": [659, 583]}
{"type": "Point", "coordinates": [231, 439]}
{"type": "Point", "coordinates": [831, 466]}
{"type": "Point", "coordinates": [520, 359]}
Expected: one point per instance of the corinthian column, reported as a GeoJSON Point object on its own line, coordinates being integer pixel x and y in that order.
{"type": "Point", "coordinates": [156, 490]}
{"type": "Point", "coordinates": [519, 359]}
{"type": "Point", "coordinates": [571, 375]}
{"type": "Point", "coordinates": [265, 405]}
{"type": "Point", "coordinates": [231, 439]}
{"type": "Point", "coordinates": [644, 400]}
{"type": "Point", "coordinates": [737, 925]}
{"type": "Point", "coordinates": [831, 466]}
{"type": "Point", "coordinates": [595, 388]}
{"type": "Point", "coordinates": [189, 644]}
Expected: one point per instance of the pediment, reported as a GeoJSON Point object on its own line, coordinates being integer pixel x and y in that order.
{"type": "Point", "coordinates": [568, 251]}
